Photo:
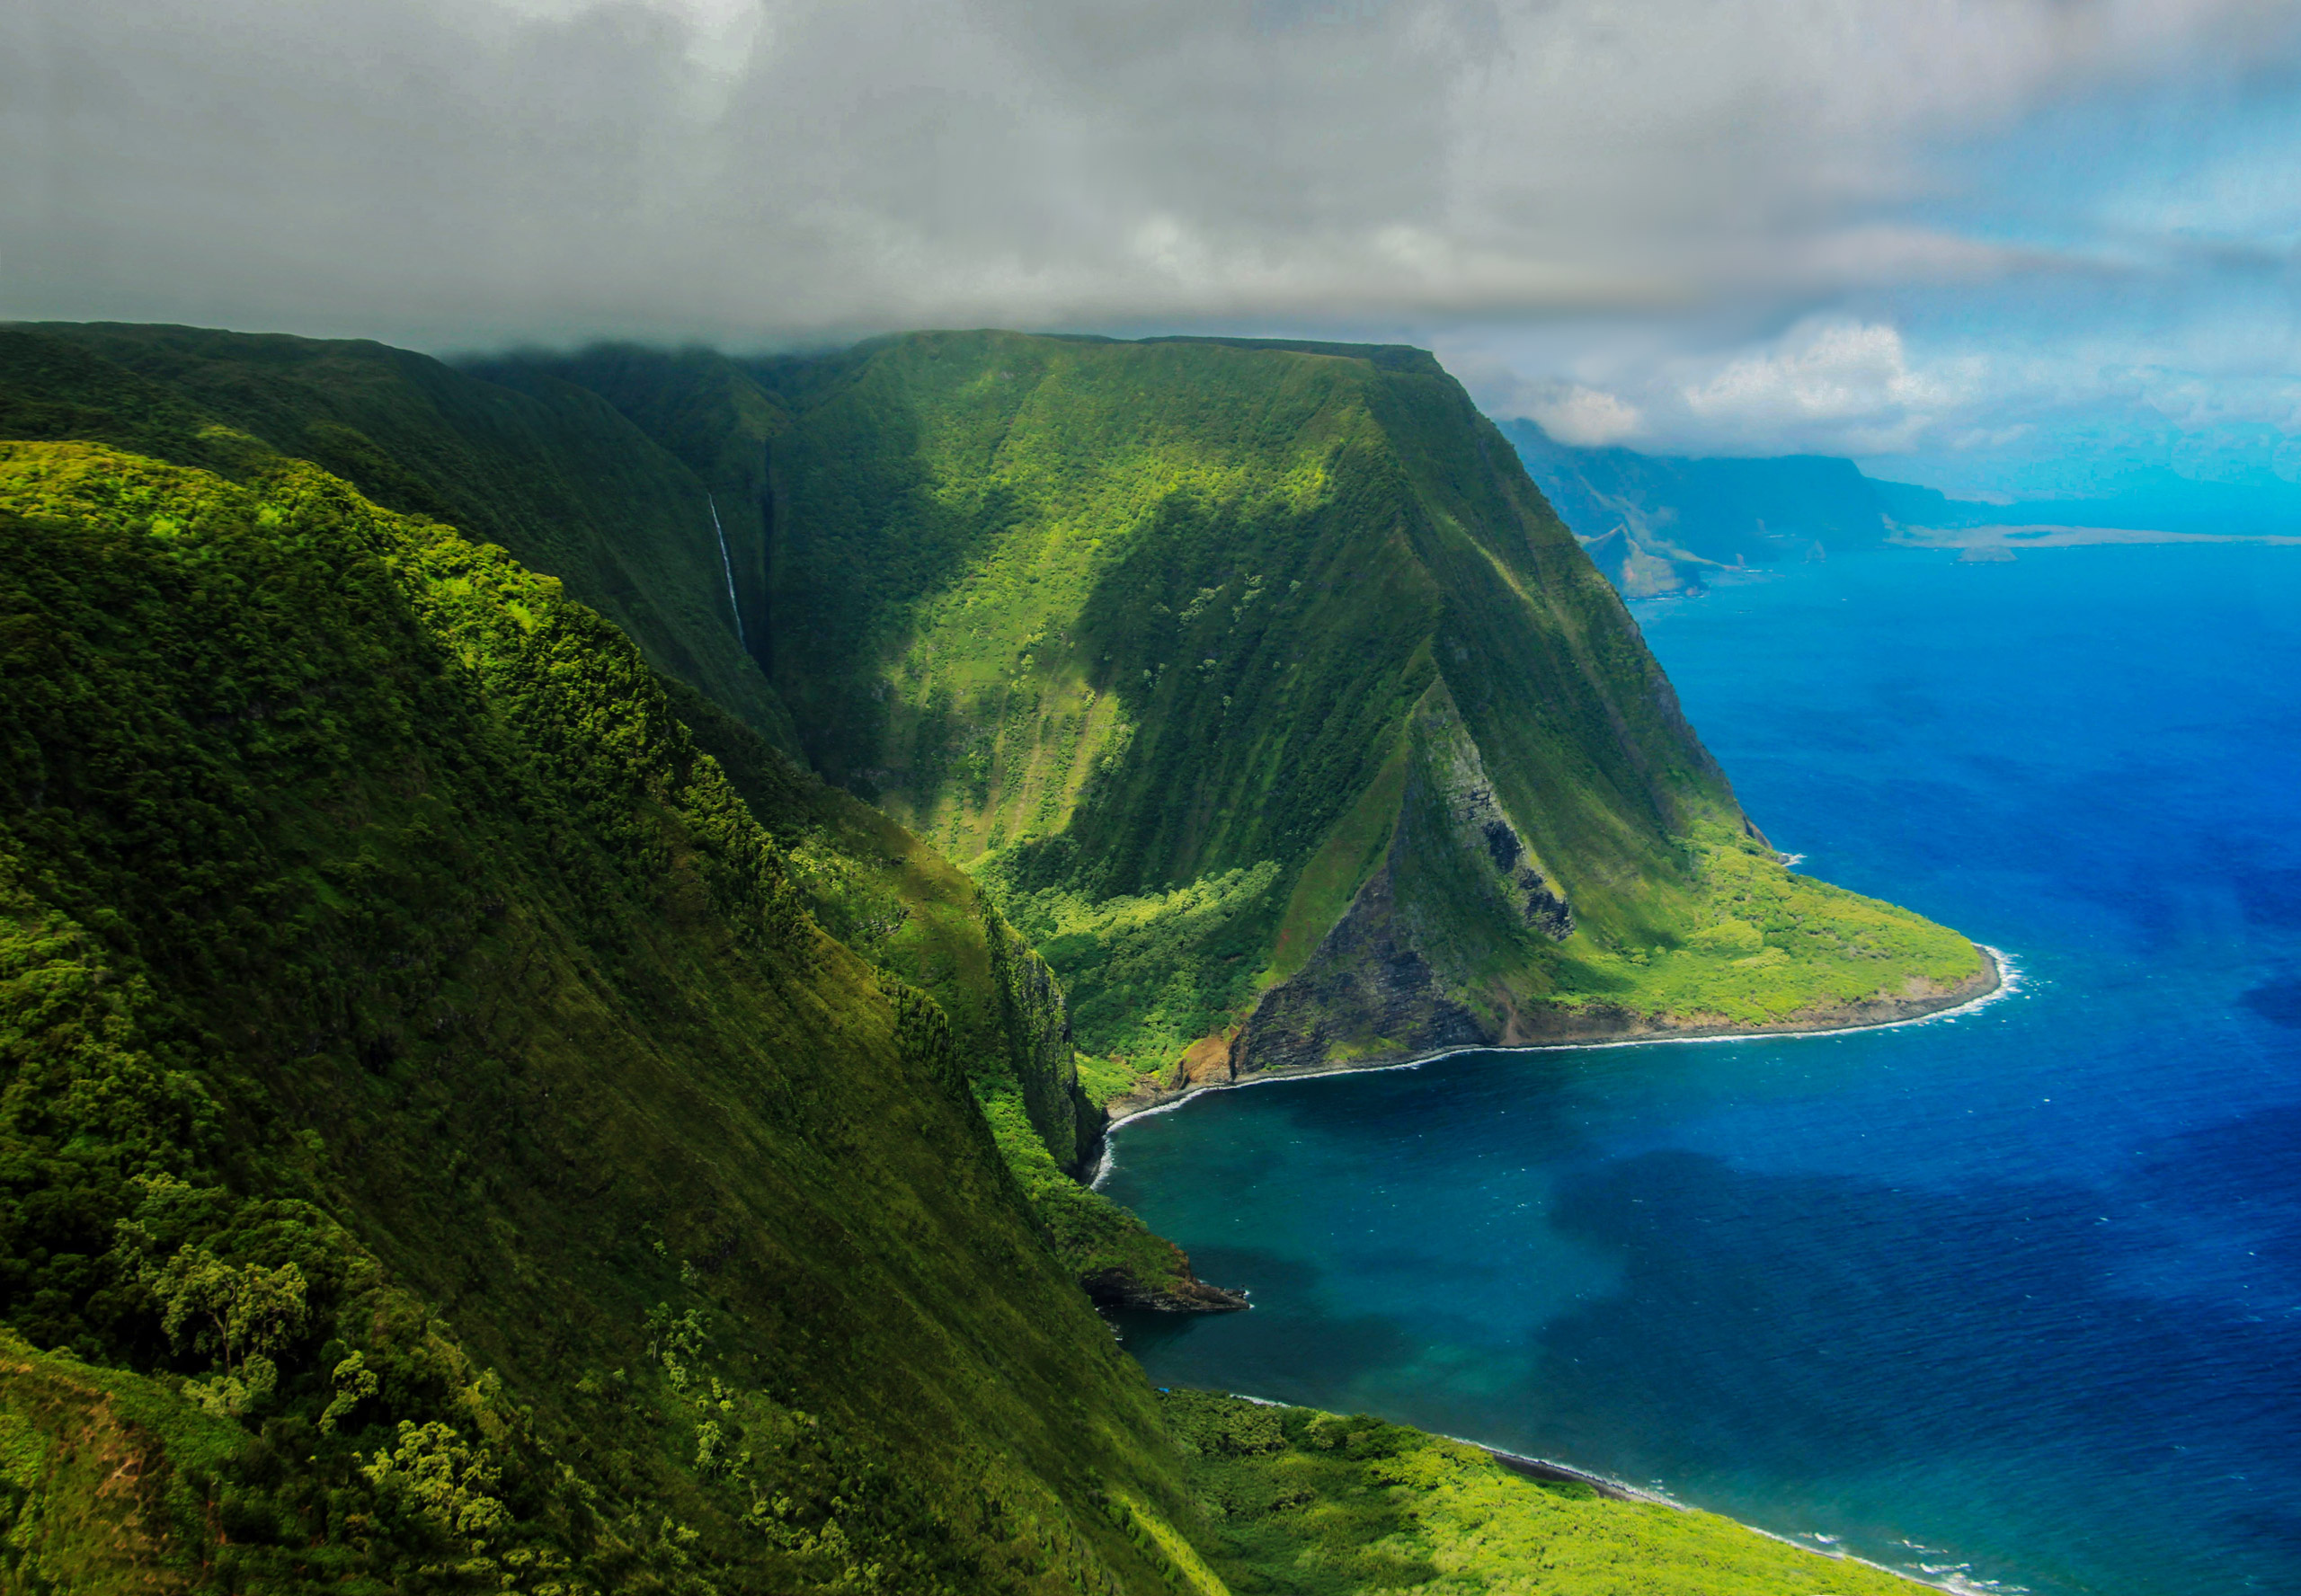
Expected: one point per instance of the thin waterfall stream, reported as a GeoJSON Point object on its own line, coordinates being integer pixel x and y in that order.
{"type": "Point", "coordinates": [728, 566]}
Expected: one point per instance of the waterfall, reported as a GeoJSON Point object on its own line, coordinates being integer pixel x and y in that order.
{"type": "Point", "coordinates": [728, 566]}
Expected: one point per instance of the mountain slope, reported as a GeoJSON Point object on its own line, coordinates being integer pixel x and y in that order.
{"type": "Point", "coordinates": [1265, 693]}
{"type": "Point", "coordinates": [1180, 647]}
{"type": "Point", "coordinates": [550, 469]}
{"type": "Point", "coordinates": [551, 472]}
{"type": "Point", "coordinates": [440, 1152]}
{"type": "Point", "coordinates": [415, 1054]}
{"type": "Point", "coordinates": [470, 1118]}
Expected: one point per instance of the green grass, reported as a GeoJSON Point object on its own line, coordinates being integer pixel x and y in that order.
{"type": "Point", "coordinates": [1308, 1503]}
{"type": "Point", "coordinates": [105, 1475]}
{"type": "Point", "coordinates": [1334, 875]}
{"type": "Point", "coordinates": [1770, 946]}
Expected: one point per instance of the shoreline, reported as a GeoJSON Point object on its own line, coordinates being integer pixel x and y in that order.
{"type": "Point", "coordinates": [1614, 1490]}
{"type": "Point", "coordinates": [2004, 980]}
{"type": "Point", "coordinates": [1543, 1468]}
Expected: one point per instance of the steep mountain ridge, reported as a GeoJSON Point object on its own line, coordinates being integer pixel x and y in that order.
{"type": "Point", "coordinates": [1140, 634]}
{"type": "Point", "coordinates": [475, 1115]}
{"type": "Point", "coordinates": [518, 467]}
{"type": "Point", "coordinates": [382, 956]}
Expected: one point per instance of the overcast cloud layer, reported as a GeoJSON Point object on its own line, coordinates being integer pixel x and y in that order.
{"type": "Point", "coordinates": [1869, 226]}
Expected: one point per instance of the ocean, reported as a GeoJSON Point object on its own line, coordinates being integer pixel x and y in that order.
{"type": "Point", "coordinates": [2011, 1300]}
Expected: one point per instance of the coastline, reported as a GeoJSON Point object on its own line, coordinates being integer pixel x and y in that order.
{"type": "Point", "coordinates": [1542, 1469]}
{"type": "Point", "coordinates": [2001, 977]}
{"type": "Point", "coordinates": [1614, 1490]}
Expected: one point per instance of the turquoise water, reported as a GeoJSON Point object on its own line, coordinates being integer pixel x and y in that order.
{"type": "Point", "coordinates": [2014, 1298]}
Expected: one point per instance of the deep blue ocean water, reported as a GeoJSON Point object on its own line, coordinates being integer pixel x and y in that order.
{"type": "Point", "coordinates": [2012, 1298]}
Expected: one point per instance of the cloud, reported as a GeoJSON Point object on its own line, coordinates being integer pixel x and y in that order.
{"type": "Point", "coordinates": [1847, 381]}
{"type": "Point", "coordinates": [475, 171]}
{"type": "Point", "coordinates": [1829, 384]}
{"type": "Point", "coordinates": [1586, 417]}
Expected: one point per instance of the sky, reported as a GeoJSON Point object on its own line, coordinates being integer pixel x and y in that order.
{"type": "Point", "coordinates": [1999, 246]}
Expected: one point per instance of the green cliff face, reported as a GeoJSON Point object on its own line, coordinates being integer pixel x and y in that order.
{"type": "Point", "coordinates": [419, 1057]}
{"type": "Point", "coordinates": [558, 477]}
{"type": "Point", "coordinates": [551, 472]}
{"type": "Point", "coordinates": [1265, 693]}
{"type": "Point", "coordinates": [475, 1115]}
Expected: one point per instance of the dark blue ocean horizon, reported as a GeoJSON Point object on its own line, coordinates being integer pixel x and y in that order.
{"type": "Point", "coordinates": [2012, 1300]}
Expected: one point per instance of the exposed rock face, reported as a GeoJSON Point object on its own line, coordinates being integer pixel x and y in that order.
{"type": "Point", "coordinates": [1038, 1030]}
{"type": "Point", "coordinates": [1480, 824]}
{"type": "Point", "coordinates": [1383, 981]}
{"type": "Point", "coordinates": [1116, 1288]}
{"type": "Point", "coordinates": [1294, 1029]}
{"type": "Point", "coordinates": [1366, 985]}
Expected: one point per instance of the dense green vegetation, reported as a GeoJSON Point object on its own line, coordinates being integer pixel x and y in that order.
{"type": "Point", "coordinates": [560, 478]}
{"type": "Point", "coordinates": [892, 899]}
{"type": "Point", "coordinates": [1758, 922]}
{"type": "Point", "coordinates": [550, 471]}
{"type": "Point", "coordinates": [1159, 640]}
{"type": "Point", "coordinates": [476, 1114]}
{"type": "Point", "coordinates": [419, 1062]}
{"type": "Point", "coordinates": [1189, 649]}
{"type": "Point", "coordinates": [1307, 1503]}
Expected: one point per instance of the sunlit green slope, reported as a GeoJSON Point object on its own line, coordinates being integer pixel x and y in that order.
{"type": "Point", "coordinates": [414, 1057]}
{"type": "Point", "coordinates": [560, 477]}
{"type": "Point", "coordinates": [548, 471]}
{"type": "Point", "coordinates": [1267, 694]}
{"type": "Point", "coordinates": [1319, 1504]}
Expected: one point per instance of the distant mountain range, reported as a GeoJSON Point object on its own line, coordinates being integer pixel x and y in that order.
{"type": "Point", "coordinates": [1663, 523]}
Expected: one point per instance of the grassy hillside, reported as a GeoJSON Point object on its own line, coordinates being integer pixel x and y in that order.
{"type": "Point", "coordinates": [420, 1065]}
{"type": "Point", "coordinates": [1317, 1504]}
{"type": "Point", "coordinates": [550, 471]}
{"type": "Point", "coordinates": [1264, 691]}
{"type": "Point", "coordinates": [559, 477]}
{"type": "Point", "coordinates": [474, 1116]}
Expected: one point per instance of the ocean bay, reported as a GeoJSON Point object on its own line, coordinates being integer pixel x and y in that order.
{"type": "Point", "coordinates": [2012, 1298]}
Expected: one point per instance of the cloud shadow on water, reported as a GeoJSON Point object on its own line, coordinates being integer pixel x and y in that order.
{"type": "Point", "coordinates": [2277, 1001]}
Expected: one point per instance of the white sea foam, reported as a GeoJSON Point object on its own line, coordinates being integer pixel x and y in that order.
{"type": "Point", "coordinates": [1950, 1577]}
